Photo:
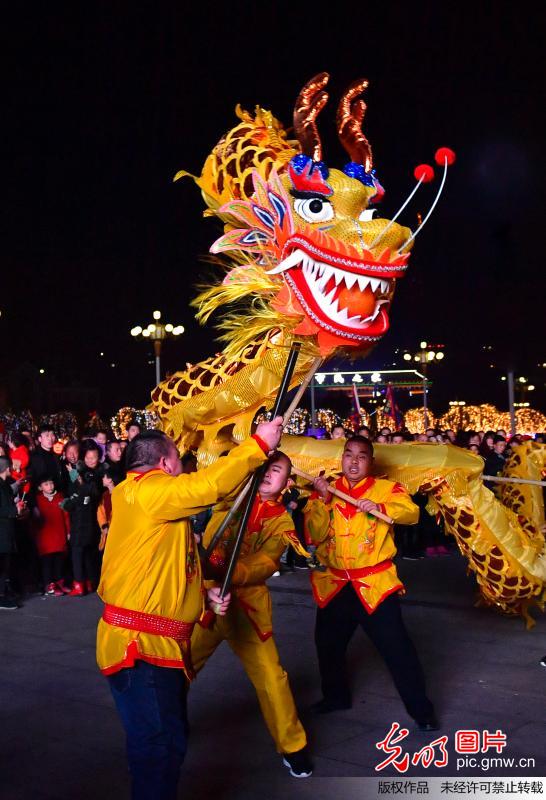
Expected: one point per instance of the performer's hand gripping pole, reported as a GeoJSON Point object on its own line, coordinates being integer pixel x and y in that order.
{"type": "Point", "coordinates": [244, 491]}
{"type": "Point", "coordinates": [258, 475]}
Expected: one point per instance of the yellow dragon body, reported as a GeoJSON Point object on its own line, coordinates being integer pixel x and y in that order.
{"type": "Point", "coordinates": [305, 260]}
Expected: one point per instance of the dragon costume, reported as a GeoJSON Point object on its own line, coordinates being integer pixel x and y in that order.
{"type": "Point", "coordinates": [305, 259]}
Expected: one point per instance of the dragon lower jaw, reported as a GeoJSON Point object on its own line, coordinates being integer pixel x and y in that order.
{"type": "Point", "coordinates": [350, 304]}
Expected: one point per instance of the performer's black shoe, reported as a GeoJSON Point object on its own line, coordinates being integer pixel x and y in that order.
{"type": "Point", "coordinates": [298, 763]}
{"type": "Point", "coordinates": [328, 704]}
{"type": "Point", "coordinates": [430, 724]}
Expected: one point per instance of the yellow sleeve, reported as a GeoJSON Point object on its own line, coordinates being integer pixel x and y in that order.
{"type": "Point", "coordinates": [166, 498]}
{"type": "Point", "coordinates": [260, 565]}
{"type": "Point", "coordinates": [400, 507]}
{"type": "Point", "coordinates": [102, 518]}
{"type": "Point", "coordinates": [317, 521]}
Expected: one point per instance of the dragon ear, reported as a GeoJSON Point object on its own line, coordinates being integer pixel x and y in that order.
{"type": "Point", "coordinates": [350, 115]}
{"type": "Point", "coordinates": [311, 100]}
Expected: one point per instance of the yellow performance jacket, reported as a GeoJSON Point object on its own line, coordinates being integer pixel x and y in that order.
{"type": "Point", "coordinates": [354, 546]}
{"type": "Point", "coordinates": [150, 560]}
{"type": "Point", "coordinates": [270, 529]}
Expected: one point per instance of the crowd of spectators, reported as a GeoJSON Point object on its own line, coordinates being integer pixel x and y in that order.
{"type": "Point", "coordinates": [55, 510]}
{"type": "Point", "coordinates": [55, 504]}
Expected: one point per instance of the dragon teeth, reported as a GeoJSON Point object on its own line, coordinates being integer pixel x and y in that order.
{"type": "Point", "coordinates": [295, 257]}
{"type": "Point", "coordinates": [327, 273]}
{"type": "Point", "coordinates": [318, 275]}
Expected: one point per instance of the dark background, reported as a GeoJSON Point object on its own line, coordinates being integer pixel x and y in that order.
{"type": "Point", "coordinates": [105, 102]}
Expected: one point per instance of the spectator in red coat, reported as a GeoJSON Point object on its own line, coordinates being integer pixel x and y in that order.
{"type": "Point", "coordinates": [20, 457]}
{"type": "Point", "coordinates": [51, 528]}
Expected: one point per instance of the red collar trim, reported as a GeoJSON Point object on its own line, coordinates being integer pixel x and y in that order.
{"type": "Point", "coordinates": [357, 491]}
{"type": "Point", "coordinates": [347, 510]}
{"type": "Point", "coordinates": [262, 510]}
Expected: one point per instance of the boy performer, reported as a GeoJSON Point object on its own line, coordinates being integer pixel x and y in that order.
{"type": "Point", "coordinates": [247, 626]}
{"type": "Point", "coordinates": [360, 584]}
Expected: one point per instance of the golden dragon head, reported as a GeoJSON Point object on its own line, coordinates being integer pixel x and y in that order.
{"type": "Point", "coordinates": [302, 243]}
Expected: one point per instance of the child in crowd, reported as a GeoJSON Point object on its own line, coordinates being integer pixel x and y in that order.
{"type": "Point", "coordinates": [51, 528]}
{"type": "Point", "coordinates": [71, 455]}
{"type": "Point", "coordinates": [20, 457]}
{"type": "Point", "coordinates": [360, 585]}
{"type": "Point", "coordinates": [82, 505]}
{"type": "Point", "coordinates": [248, 626]}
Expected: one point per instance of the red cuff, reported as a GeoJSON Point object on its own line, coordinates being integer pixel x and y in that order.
{"type": "Point", "coordinates": [265, 447]}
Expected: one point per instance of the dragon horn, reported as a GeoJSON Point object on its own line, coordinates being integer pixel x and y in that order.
{"type": "Point", "coordinates": [350, 114]}
{"type": "Point", "coordinates": [311, 100]}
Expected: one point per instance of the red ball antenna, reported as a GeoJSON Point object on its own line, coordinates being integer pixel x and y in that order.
{"type": "Point", "coordinates": [443, 155]}
{"type": "Point", "coordinates": [424, 173]}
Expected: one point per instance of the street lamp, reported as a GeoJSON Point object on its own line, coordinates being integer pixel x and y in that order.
{"type": "Point", "coordinates": [157, 332]}
{"type": "Point", "coordinates": [427, 354]}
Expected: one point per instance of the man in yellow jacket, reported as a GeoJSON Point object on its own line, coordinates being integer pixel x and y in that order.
{"type": "Point", "coordinates": [153, 593]}
{"type": "Point", "coordinates": [360, 585]}
{"type": "Point", "coordinates": [248, 625]}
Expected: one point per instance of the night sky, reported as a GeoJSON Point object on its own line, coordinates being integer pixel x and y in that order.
{"type": "Point", "coordinates": [106, 101]}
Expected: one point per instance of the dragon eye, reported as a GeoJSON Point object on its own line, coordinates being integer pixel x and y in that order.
{"type": "Point", "coordinates": [314, 209]}
{"type": "Point", "coordinates": [367, 214]}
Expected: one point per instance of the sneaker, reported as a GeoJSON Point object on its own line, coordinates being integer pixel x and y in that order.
{"type": "Point", "coordinates": [6, 604]}
{"type": "Point", "coordinates": [276, 574]}
{"type": "Point", "coordinates": [53, 590]}
{"type": "Point", "coordinates": [298, 763]}
{"type": "Point", "coordinates": [542, 662]}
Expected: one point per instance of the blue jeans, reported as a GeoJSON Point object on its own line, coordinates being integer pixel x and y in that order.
{"type": "Point", "coordinates": [151, 702]}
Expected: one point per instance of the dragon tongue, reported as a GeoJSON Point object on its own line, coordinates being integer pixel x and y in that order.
{"type": "Point", "coordinates": [357, 302]}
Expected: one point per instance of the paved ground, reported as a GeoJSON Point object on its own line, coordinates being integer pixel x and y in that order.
{"type": "Point", "coordinates": [60, 736]}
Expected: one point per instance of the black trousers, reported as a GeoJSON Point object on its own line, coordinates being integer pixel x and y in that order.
{"type": "Point", "coordinates": [335, 626]}
{"type": "Point", "coordinates": [5, 571]}
{"type": "Point", "coordinates": [52, 567]}
{"type": "Point", "coordinates": [84, 563]}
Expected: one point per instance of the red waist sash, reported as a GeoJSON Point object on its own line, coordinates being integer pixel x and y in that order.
{"type": "Point", "coordinates": [362, 572]}
{"type": "Point", "coordinates": [147, 623]}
